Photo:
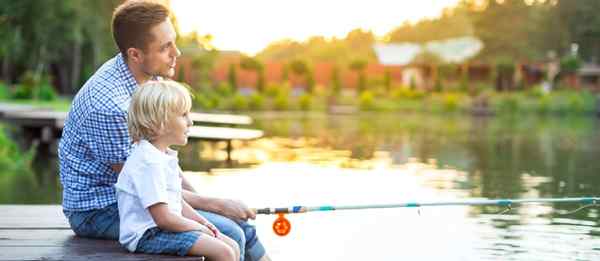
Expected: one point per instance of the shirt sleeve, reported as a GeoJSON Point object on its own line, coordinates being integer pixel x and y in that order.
{"type": "Point", "coordinates": [150, 185]}
{"type": "Point", "coordinates": [108, 136]}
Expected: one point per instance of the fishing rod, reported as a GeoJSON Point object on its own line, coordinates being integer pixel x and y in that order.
{"type": "Point", "coordinates": [282, 226]}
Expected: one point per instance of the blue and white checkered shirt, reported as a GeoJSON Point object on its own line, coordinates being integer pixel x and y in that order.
{"type": "Point", "coordinates": [95, 136]}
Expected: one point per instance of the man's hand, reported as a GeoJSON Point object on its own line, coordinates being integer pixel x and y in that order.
{"type": "Point", "coordinates": [235, 210]}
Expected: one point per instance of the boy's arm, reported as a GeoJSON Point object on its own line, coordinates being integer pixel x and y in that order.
{"type": "Point", "coordinates": [189, 212]}
{"type": "Point", "coordinates": [166, 220]}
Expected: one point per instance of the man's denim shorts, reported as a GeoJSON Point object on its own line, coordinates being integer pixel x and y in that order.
{"type": "Point", "coordinates": [158, 241]}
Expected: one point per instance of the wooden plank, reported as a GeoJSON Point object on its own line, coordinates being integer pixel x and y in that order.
{"type": "Point", "coordinates": [36, 118]}
{"type": "Point", "coordinates": [214, 118]}
{"type": "Point", "coordinates": [25, 235]}
{"type": "Point", "coordinates": [32, 217]}
{"type": "Point", "coordinates": [12, 107]}
{"type": "Point", "coordinates": [223, 134]}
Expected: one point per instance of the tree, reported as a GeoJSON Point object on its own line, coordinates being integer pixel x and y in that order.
{"type": "Point", "coordinates": [359, 66]}
{"type": "Point", "coordinates": [232, 76]}
{"type": "Point", "coordinates": [583, 24]}
{"type": "Point", "coordinates": [253, 64]}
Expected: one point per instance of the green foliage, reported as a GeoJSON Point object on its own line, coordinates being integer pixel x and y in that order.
{"type": "Point", "coordinates": [232, 76]}
{"type": "Point", "coordinates": [4, 91]}
{"type": "Point", "coordinates": [358, 65]}
{"type": "Point", "coordinates": [305, 102]}
{"type": "Point", "coordinates": [239, 103]}
{"type": "Point", "coordinates": [450, 101]}
{"type": "Point", "coordinates": [336, 84]}
{"type": "Point", "coordinates": [310, 82]}
{"type": "Point", "coordinates": [509, 104]}
{"type": "Point", "coordinates": [367, 101]}
{"type": "Point", "coordinates": [407, 93]}
{"type": "Point", "coordinates": [47, 93]}
{"type": "Point", "coordinates": [260, 82]}
{"type": "Point", "coordinates": [536, 91]}
{"type": "Point", "coordinates": [281, 102]}
{"type": "Point", "coordinates": [570, 64]}
{"type": "Point", "coordinates": [224, 89]}
{"type": "Point", "coordinates": [11, 157]}
{"type": "Point", "coordinates": [544, 104]}
{"type": "Point", "coordinates": [387, 80]}
{"type": "Point", "coordinates": [299, 67]}
{"type": "Point", "coordinates": [256, 101]}
{"type": "Point", "coordinates": [206, 99]}
{"type": "Point", "coordinates": [362, 81]}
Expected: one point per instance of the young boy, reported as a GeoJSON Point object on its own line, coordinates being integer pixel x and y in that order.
{"type": "Point", "coordinates": [154, 218]}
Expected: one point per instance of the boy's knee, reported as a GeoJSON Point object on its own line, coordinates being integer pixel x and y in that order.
{"type": "Point", "coordinates": [227, 253]}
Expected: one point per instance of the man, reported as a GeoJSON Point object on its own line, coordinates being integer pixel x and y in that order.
{"type": "Point", "coordinates": [96, 142]}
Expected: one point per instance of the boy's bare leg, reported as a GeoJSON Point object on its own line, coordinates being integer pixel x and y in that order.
{"type": "Point", "coordinates": [231, 244]}
{"type": "Point", "coordinates": [213, 249]}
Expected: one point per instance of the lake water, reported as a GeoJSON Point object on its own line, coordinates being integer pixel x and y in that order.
{"type": "Point", "coordinates": [316, 159]}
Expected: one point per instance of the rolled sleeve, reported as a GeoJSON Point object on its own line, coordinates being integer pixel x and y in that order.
{"type": "Point", "coordinates": [108, 137]}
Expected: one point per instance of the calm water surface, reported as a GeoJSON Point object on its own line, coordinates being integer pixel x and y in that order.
{"type": "Point", "coordinates": [317, 159]}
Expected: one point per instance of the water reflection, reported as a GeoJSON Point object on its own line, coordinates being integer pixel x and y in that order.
{"type": "Point", "coordinates": [315, 159]}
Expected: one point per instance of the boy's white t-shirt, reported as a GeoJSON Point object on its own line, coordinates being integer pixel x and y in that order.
{"type": "Point", "coordinates": [149, 176]}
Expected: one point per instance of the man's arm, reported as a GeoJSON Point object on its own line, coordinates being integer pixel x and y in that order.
{"type": "Point", "coordinates": [232, 209]}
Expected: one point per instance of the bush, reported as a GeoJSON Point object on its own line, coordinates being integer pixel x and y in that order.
{"type": "Point", "coordinates": [536, 91]}
{"type": "Point", "coordinates": [450, 101]}
{"type": "Point", "coordinates": [281, 102]}
{"type": "Point", "coordinates": [4, 91]}
{"type": "Point", "coordinates": [239, 103]}
{"type": "Point", "coordinates": [544, 104]}
{"type": "Point", "coordinates": [205, 101]}
{"type": "Point", "coordinates": [305, 102]}
{"type": "Point", "coordinates": [256, 102]}
{"type": "Point", "coordinates": [11, 157]}
{"type": "Point", "coordinates": [575, 103]}
{"type": "Point", "coordinates": [367, 101]}
{"type": "Point", "coordinates": [509, 104]}
{"type": "Point", "coordinates": [407, 93]}
{"type": "Point", "coordinates": [46, 92]}
{"type": "Point", "coordinates": [224, 89]}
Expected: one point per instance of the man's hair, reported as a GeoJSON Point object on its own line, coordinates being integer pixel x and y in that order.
{"type": "Point", "coordinates": [132, 22]}
{"type": "Point", "coordinates": [153, 105]}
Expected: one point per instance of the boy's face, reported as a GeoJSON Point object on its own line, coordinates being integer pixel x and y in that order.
{"type": "Point", "coordinates": [161, 54]}
{"type": "Point", "coordinates": [176, 130]}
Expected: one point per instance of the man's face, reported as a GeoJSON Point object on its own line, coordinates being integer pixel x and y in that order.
{"type": "Point", "coordinates": [160, 56]}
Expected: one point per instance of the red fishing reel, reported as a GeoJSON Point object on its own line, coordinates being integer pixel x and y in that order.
{"type": "Point", "coordinates": [281, 226]}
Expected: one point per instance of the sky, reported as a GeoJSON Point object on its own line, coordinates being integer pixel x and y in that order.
{"type": "Point", "coordinates": [249, 26]}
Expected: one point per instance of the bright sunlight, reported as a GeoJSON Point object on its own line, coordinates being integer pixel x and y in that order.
{"type": "Point", "coordinates": [249, 26]}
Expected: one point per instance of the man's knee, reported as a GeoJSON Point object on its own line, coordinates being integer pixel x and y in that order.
{"type": "Point", "coordinates": [236, 233]}
{"type": "Point", "coordinates": [249, 232]}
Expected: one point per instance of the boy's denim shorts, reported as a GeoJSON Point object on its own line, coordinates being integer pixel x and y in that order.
{"type": "Point", "coordinates": [158, 241]}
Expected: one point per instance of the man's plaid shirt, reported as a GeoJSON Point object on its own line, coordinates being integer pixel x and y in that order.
{"type": "Point", "coordinates": [95, 136]}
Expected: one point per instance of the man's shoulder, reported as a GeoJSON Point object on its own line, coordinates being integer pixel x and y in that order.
{"type": "Point", "coordinates": [107, 88]}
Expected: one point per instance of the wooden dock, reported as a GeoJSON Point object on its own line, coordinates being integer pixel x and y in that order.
{"type": "Point", "coordinates": [41, 232]}
{"type": "Point", "coordinates": [46, 126]}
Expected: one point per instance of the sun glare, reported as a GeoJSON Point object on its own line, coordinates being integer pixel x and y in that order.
{"type": "Point", "coordinates": [249, 26]}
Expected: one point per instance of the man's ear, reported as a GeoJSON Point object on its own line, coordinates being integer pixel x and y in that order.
{"type": "Point", "coordinates": [136, 55]}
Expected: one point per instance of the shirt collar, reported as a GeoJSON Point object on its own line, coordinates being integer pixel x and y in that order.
{"type": "Point", "coordinates": [125, 74]}
{"type": "Point", "coordinates": [170, 154]}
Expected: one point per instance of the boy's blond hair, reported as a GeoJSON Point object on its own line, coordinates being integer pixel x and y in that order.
{"type": "Point", "coordinates": [153, 105]}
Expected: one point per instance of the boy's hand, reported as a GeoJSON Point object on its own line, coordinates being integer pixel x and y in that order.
{"type": "Point", "coordinates": [213, 229]}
